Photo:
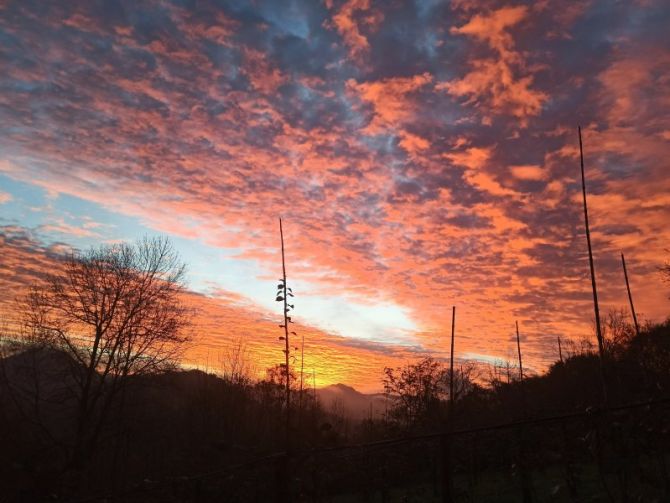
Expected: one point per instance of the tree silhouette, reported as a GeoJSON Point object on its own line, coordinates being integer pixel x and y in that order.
{"type": "Point", "coordinates": [116, 311]}
{"type": "Point", "coordinates": [665, 271]}
{"type": "Point", "coordinates": [416, 390]}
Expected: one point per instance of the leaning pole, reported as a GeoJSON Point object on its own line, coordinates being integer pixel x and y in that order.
{"type": "Point", "coordinates": [596, 309]}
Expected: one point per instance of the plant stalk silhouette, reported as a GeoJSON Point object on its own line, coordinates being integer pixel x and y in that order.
{"type": "Point", "coordinates": [283, 293]}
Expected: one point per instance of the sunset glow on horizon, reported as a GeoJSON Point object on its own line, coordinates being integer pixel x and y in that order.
{"type": "Point", "coordinates": [421, 155]}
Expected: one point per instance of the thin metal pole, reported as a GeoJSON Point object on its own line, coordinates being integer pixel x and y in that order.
{"type": "Point", "coordinates": [630, 297]}
{"type": "Point", "coordinates": [518, 348]}
{"type": "Point", "coordinates": [560, 353]}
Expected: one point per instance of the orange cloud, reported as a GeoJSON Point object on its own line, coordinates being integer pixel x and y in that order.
{"type": "Point", "coordinates": [475, 160]}
{"type": "Point", "coordinates": [492, 28]}
{"type": "Point", "coordinates": [260, 72]}
{"type": "Point", "coordinates": [405, 198]}
{"type": "Point", "coordinates": [493, 85]}
{"type": "Point", "coordinates": [628, 82]}
{"type": "Point", "coordinates": [223, 320]}
{"type": "Point", "coordinates": [390, 99]}
{"type": "Point", "coordinates": [349, 28]}
{"type": "Point", "coordinates": [412, 143]}
{"type": "Point", "coordinates": [528, 172]}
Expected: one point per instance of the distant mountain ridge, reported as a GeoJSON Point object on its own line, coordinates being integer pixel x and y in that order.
{"type": "Point", "coordinates": [350, 402]}
{"type": "Point", "coordinates": [52, 369]}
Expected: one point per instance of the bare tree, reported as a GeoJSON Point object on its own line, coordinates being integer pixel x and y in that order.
{"type": "Point", "coordinates": [236, 364]}
{"type": "Point", "coordinates": [618, 332]}
{"type": "Point", "coordinates": [116, 311]}
{"type": "Point", "coordinates": [416, 390]}
{"type": "Point", "coordinates": [501, 372]}
{"type": "Point", "coordinates": [465, 377]}
{"type": "Point", "coordinates": [665, 270]}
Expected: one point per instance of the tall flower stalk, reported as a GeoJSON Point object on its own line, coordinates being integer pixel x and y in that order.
{"type": "Point", "coordinates": [283, 293]}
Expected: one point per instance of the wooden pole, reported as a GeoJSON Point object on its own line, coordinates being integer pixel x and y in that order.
{"type": "Point", "coordinates": [596, 309]}
{"type": "Point", "coordinates": [302, 374]}
{"type": "Point", "coordinates": [560, 353]}
{"type": "Point", "coordinates": [518, 348]}
{"type": "Point", "coordinates": [447, 438]}
{"type": "Point", "coordinates": [630, 297]}
{"type": "Point", "coordinates": [526, 482]}
{"type": "Point", "coordinates": [588, 243]}
{"type": "Point", "coordinates": [451, 364]}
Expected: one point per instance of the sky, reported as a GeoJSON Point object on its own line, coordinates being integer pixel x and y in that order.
{"type": "Point", "coordinates": [422, 155]}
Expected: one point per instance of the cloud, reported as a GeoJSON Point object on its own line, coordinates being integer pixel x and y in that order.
{"type": "Point", "coordinates": [413, 143]}
{"type": "Point", "coordinates": [500, 84]}
{"type": "Point", "coordinates": [528, 172]}
{"type": "Point", "coordinates": [391, 99]}
{"type": "Point", "coordinates": [629, 80]}
{"type": "Point", "coordinates": [5, 197]}
{"type": "Point", "coordinates": [260, 72]}
{"type": "Point", "coordinates": [492, 28]}
{"type": "Point", "coordinates": [333, 359]}
{"type": "Point", "coordinates": [475, 160]}
{"type": "Point", "coordinates": [64, 228]}
{"type": "Point", "coordinates": [348, 21]}
{"type": "Point", "coordinates": [392, 149]}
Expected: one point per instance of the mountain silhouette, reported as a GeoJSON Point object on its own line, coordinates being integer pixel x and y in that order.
{"type": "Point", "coordinates": [352, 403]}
